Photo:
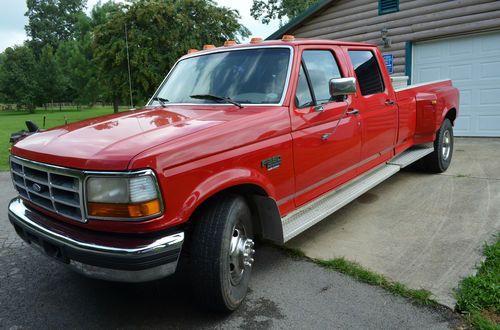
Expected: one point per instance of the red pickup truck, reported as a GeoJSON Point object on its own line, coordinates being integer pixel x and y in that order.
{"type": "Point", "coordinates": [261, 140]}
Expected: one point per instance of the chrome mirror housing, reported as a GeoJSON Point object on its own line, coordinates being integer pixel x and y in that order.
{"type": "Point", "coordinates": [342, 86]}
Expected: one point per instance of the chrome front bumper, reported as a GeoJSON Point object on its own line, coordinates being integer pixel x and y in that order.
{"type": "Point", "coordinates": [109, 257]}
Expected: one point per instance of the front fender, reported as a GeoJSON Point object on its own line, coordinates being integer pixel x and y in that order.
{"type": "Point", "coordinates": [224, 180]}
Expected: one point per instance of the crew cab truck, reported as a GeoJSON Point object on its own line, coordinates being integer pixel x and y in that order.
{"type": "Point", "coordinates": [260, 140]}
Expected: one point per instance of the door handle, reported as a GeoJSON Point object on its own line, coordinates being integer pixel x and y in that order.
{"type": "Point", "coordinates": [319, 108]}
{"type": "Point", "coordinates": [390, 102]}
{"type": "Point", "coordinates": [353, 112]}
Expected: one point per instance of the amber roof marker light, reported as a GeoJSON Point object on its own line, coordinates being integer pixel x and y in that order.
{"type": "Point", "coordinates": [256, 40]}
{"type": "Point", "coordinates": [205, 47]}
{"type": "Point", "coordinates": [229, 43]}
{"type": "Point", "coordinates": [287, 37]}
{"type": "Point", "coordinates": [192, 50]}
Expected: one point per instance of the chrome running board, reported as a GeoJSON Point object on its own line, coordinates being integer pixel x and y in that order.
{"type": "Point", "coordinates": [320, 208]}
{"type": "Point", "coordinates": [410, 156]}
{"type": "Point", "coordinates": [315, 211]}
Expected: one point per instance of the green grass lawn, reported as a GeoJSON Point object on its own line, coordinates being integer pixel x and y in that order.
{"type": "Point", "coordinates": [11, 122]}
{"type": "Point", "coordinates": [479, 296]}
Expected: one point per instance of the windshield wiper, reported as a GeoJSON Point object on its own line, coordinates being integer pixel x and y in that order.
{"type": "Point", "coordinates": [161, 100]}
{"type": "Point", "coordinates": [216, 98]}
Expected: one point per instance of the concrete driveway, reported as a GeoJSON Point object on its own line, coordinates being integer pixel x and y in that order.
{"type": "Point", "coordinates": [426, 231]}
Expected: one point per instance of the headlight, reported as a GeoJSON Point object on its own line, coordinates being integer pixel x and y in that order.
{"type": "Point", "coordinates": [132, 197]}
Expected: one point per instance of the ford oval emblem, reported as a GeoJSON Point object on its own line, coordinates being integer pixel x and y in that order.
{"type": "Point", "coordinates": [36, 187]}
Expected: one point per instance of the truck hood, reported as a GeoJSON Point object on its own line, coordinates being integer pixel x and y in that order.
{"type": "Point", "coordinates": [110, 142]}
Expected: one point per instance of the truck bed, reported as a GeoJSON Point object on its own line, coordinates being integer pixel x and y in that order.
{"type": "Point", "coordinates": [430, 83]}
{"type": "Point", "coordinates": [422, 107]}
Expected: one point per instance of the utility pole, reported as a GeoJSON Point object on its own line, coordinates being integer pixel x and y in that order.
{"type": "Point", "coordinates": [128, 66]}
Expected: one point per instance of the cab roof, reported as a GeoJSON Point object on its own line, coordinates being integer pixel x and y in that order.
{"type": "Point", "coordinates": [294, 43]}
{"type": "Point", "coordinates": [312, 41]}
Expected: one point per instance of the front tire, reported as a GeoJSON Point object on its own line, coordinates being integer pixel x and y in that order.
{"type": "Point", "coordinates": [440, 159]}
{"type": "Point", "coordinates": [222, 253]}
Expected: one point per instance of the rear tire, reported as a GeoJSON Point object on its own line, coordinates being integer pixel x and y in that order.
{"type": "Point", "coordinates": [222, 253]}
{"type": "Point", "coordinates": [439, 160]}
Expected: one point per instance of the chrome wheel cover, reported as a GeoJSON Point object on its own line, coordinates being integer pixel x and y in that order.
{"type": "Point", "coordinates": [446, 145]}
{"type": "Point", "coordinates": [240, 253]}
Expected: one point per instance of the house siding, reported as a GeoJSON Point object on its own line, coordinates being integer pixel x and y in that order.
{"type": "Point", "coordinates": [420, 20]}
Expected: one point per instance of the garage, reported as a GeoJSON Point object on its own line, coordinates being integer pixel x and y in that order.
{"type": "Point", "coordinates": [473, 63]}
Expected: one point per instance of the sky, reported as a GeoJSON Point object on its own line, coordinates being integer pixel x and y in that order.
{"type": "Point", "coordinates": [12, 20]}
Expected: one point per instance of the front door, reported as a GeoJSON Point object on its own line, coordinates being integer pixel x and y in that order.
{"type": "Point", "coordinates": [321, 161]}
{"type": "Point", "coordinates": [376, 103]}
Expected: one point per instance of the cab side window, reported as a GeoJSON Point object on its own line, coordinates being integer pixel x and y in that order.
{"type": "Point", "coordinates": [321, 67]}
{"type": "Point", "coordinates": [367, 72]}
{"type": "Point", "coordinates": [318, 67]}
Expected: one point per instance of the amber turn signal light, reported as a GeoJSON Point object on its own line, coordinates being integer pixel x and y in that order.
{"type": "Point", "coordinates": [287, 37]}
{"type": "Point", "coordinates": [205, 47]}
{"type": "Point", "coordinates": [136, 210]}
{"type": "Point", "coordinates": [256, 40]}
{"type": "Point", "coordinates": [230, 43]}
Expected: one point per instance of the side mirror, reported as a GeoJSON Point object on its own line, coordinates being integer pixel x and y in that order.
{"type": "Point", "coordinates": [342, 86]}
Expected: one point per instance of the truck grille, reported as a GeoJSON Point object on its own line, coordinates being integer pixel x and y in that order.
{"type": "Point", "coordinates": [54, 188]}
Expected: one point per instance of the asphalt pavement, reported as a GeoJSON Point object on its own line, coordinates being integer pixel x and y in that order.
{"type": "Point", "coordinates": [36, 292]}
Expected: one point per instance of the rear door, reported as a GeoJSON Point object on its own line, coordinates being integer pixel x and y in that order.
{"type": "Point", "coordinates": [376, 102]}
{"type": "Point", "coordinates": [321, 164]}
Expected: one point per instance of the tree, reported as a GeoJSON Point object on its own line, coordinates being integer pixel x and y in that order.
{"type": "Point", "coordinates": [159, 32]}
{"type": "Point", "coordinates": [267, 10]}
{"type": "Point", "coordinates": [109, 49]}
{"type": "Point", "coordinates": [78, 74]}
{"type": "Point", "coordinates": [65, 52]}
{"type": "Point", "coordinates": [18, 77]}
{"type": "Point", "coordinates": [3, 97]}
{"type": "Point", "coordinates": [75, 62]}
{"type": "Point", "coordinates": [48, 77]}
{"type": "Point", "coordinates": [52, 21]}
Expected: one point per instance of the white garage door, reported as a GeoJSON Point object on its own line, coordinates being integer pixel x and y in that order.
{"type": "Point", "coordinates": [473, 63]}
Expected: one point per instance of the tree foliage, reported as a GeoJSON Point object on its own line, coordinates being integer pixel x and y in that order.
{"type": "Point", "coordinates": [267, 10]}
{"type": "Point", "coordinates": [52, 21]}
{"type": "Point", "coordinates": [48, 76]}
{"type": "Point", "coordinates": [17, 76]}
{"type": "Point", "coordinates": [72, 57]}
{"type": "Point", "coordinates": [159, 32]}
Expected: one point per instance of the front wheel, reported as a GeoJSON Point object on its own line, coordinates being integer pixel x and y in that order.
{"type": "Point", "coordinates": [222, 253]}
{"type": "Point", "coordinates": [439, 160]}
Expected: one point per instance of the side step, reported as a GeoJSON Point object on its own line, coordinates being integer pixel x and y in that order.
{"type": "Point", "coordinates": [410, 156]}
{"type": "Point", "coordinates": [312, 213]}
{"type": "Point", "coordinates": [320, 208]}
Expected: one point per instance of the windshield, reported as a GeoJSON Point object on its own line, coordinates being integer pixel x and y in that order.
{"type": "Point", "coordinates": [251, 76]}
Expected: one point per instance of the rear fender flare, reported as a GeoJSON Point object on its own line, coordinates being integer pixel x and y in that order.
{"type": "Point", "coordinates": [445, 113]}
{"type": "Point", "coordinates": [450, 103]}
